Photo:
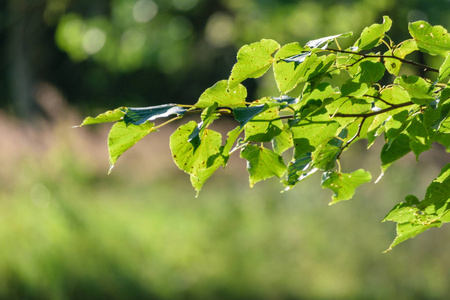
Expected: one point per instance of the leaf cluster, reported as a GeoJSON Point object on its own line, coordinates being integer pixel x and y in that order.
{"type": "Point", "coordinates": [328, 99]}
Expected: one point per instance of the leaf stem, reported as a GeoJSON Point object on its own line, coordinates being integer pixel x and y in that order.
{"type": "Point", "coordinates": [167, 122]}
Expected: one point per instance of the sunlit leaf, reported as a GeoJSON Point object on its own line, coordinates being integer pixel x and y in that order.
{"type": "Point", "coordinates": [252, 61]}
{"type": "Point", "coordinates": [199, 161]}
{"type": "Point", "coordinates": [222, 95]}
{"type": "Point", "coordinates": [372, 35]}
{"type": "Point", "coordinates": [283, 141]}
{"type": "Point", "coordinates": [420, 140]}
{"type": "Point", "coordinates": [122, 137]}
{"type": "Point", "coordinates": [434, 40]}
{"type": "Point", "coordinates": [109, 116]}
{"type": "Point", "coordinates": [396, 123]}
{"type": "Point", "coordinates": [343, 185]}
{"type": "Point", "coordinates": [325, 155]}
{"type": "Point", "coordinates": [406, 231]}
{"type": "Point", "coordinates": [354, 88]}
{"type": "Point", "coordinates": [394, 151]}
{"type": "Point", "coordinates": [287, 68]}
{"type": "Point", "coordinates": [264, 126]}
{"type": "Point", "coordinates": [444, 70]}
{"type": "Point", "coordinates": [414, 217]}
{"type": "Point", "coordinates": [262, 163]}
{"type": "Point", "coordinates": [420, 91]}
{"type": "Point", "coordinates": [370, 72]}
{"type": "Point", "coordinates": [232, 137]}
{"type": "Point", "coordinates": [309, 135]}
{"type": "Point", "coordinates": [393, 65]}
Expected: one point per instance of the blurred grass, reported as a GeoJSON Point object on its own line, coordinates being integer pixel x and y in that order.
{"type": "Point", "coordinates": [69, 231]}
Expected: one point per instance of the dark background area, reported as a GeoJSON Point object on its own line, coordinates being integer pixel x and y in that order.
{"type": "Point", "coordinates": [104, 54]}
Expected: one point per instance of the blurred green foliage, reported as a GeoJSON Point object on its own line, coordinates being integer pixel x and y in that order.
{"type": "Point", "coordinates": [69, 232]}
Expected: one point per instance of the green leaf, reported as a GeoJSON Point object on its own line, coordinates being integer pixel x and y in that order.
{"type": "Point", "coordinates": [322, 91]}
{"type": "Point", "coordinates": [325, 155]}
{"type": "Point", "coordinates": [220, 93]}
{"type": "Point", "coordinates": [264, 126]}
{"type": "Point", "coordinates": [437, 197]}
{"type": "Point", "coordinates": [122, 137]}
{"type": "Point", "coordinates": [393, 65]}
{"type": "Point", "coordinates": [232, 137]}
{"type": "Point", "coordinates": [370, 72]}
{"type": "Point", "coordinates": [283, 141]}
{"type": "Point", "coordinates": [367, 74]}
{"type": "Point", "coordinates": [208, 116]}
{"type": "Point", "coordinates": [414, 217]}
{"type": "Point", "coordinates": [420, 141]}
{"type": "Point", "coordinates": [396, 124]}
{"type": "Point", "coordinates": [291, 72]}
{"type": "Point", "coordinates": [349, 105]}
{"type": "Point", "coordinates": [354, 88]}
{"type": "Point", "coordinates": [372, 35]}
{"type": "Point", "coordinates": [420, 91]}
{"type": "Point", "coordinates": [299, 168]}
{"type": "Point", "coordinates": [343, 185]}
{"type": "Point", "coordinates": [290, 66]}
{"type": "Point", "coordinates": [445, 95]}
{"type": "Point", "coordinates": [434, 40]}
{"type": "Point", "coordinates": [245, 114]}
{"type": "Point", "coordinates": [252, 61]}
{"type": "Point", "coordinates": [395, 95]}
{"type": "Point", "coordinates": [310, 135]}
{"type": "Point", "coordinates": [406, 231]}
{"type": "Point", "coordinates": [391, 121]}
{"type": "Point", "coordinates": [140, 115]}
{"type": "Point", "coordinates": [444, 69]}
{"type": "Point", "coordinates": [262, 163]}
{"type": "Point", "coordinates": [394, 150]}
{"type": "Point", "coordinates": [109, 116]}
{"type": "Point", "coordinates": [199, 161]}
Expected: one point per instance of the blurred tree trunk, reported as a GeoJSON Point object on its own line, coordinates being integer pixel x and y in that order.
{"type": "Point", "coordinates": [25, 32]}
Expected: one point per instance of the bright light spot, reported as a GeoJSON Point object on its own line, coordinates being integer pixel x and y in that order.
{"type": "Point", "coordinates": [184, 4]}
{"type": "Point", "coordinates": [219, 30]}
{"type": "Point", "coordinates": [144, 10]}
{"type": "Point", "coordinates": [40, 195]}
{"type": "Point", "coordinates": [93, 41]}
{"type": "Point", "coordinates": [133, 39]}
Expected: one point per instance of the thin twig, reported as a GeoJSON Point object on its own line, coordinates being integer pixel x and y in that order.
{"type": "Point", "coordinates": [374, 113]}
{"type": "Point", "coordinates": [357, 134]}
{"type": "Point", "coordinates": [406, 61]}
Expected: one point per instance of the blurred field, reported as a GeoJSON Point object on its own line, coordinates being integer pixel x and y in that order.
{"type": "Point", "coordinates": [70, 231]}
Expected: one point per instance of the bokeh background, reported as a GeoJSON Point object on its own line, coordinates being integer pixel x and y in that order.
{"type": "Point", "coordinates": [70, 231]}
